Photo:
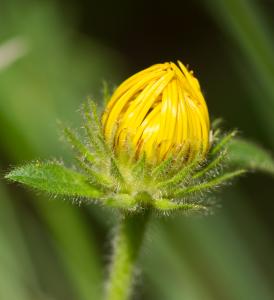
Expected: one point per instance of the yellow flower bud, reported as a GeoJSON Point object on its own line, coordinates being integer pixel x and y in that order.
{"type": "Point", "coordinates": [160, 111]}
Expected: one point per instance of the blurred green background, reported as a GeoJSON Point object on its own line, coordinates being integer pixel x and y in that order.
{"type": "Point", "coordinates": [53, 54]}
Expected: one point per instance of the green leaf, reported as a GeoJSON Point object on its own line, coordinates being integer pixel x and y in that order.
{"type": "Point", "coordinates": [53, 178]}
{"type": "Point", "coordinates": [246, 154]}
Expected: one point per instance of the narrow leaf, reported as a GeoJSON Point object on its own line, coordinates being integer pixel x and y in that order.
{"type": "Point", "coordinates": [55, 179]}
{"type": "Point", "coordinates": [245, 154]}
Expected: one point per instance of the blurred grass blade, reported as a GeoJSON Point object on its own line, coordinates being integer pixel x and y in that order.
{"type": "Point", "coordinates": [40, 87]}
{"type": "Point", "coordinates": [179, 281]}
{"type": "Point", "coordinates": [53, 178]}
{"type": "Point", "coordinates": [76, 246]}
{"type": "Point", "coordinates": [248, 155]}
{"type": "Point", "coordinates": [17, 274]}
{"type": "Point", "coordinates": [225, 256]}
{"type": "Point", "coordinates": [203, 259]}
{"type": "Point", "coordinates": [245, 22]}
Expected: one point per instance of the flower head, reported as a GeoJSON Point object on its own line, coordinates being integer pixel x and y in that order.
{"type": "Point", "coordinates": [159, 119]}
{"type": "Point", "coordinates": [160, 111]}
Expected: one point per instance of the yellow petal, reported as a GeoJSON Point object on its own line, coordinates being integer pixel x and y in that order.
{"type": "Point", "coordinates": [159, 111]}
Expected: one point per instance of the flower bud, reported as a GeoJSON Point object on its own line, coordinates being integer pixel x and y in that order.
{"type": "Point", "coordinates": [160, 112]}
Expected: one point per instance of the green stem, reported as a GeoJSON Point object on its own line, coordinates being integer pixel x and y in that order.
{"type": "Point", "coordinates": [127, 244]}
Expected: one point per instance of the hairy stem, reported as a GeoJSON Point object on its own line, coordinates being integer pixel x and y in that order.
{"type": "Point", "coordinates": [127, 244]}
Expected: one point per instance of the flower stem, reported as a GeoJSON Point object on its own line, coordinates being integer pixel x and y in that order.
{"type": "Point", "coordinates": [127, 243]}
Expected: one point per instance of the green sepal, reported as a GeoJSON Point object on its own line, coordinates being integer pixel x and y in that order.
{"type": "Point", "coordinates": [163, 168]}
{"type": "Point", "coordinates": [222, 143]}
{"type": "Point", "coordinates": [122, 201]}
{"type": "Point", "coordinates": [211, 165]}
{"type": "Point", "coordinates": [115, 171]}
{"type": "Point", "coordinates": [140, 168]}
{"type": "Point", "coordinates": [99, 179]}
{"type": "Point", "coordinates": [106, 93]}
{"type": "Point", "coordinates": [207, 185]}
{"type": "Point", "coordinates": [178, 178]}
{"type": "Point", "coordinates": [93, 129]}
{"type": "Point", "coordinates": [216, 123]}
{"type": "Point", "coordinates": [55, 179]}
{"type": "Point", "coordinates": [165, 205]}
{"type": "Point", "coordinates": [77, 145]}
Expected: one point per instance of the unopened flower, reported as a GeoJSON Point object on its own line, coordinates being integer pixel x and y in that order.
{"type": "Point", "coordinates": [158, 120]}
{"type": "Point", "coordinates": [160, 111]}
